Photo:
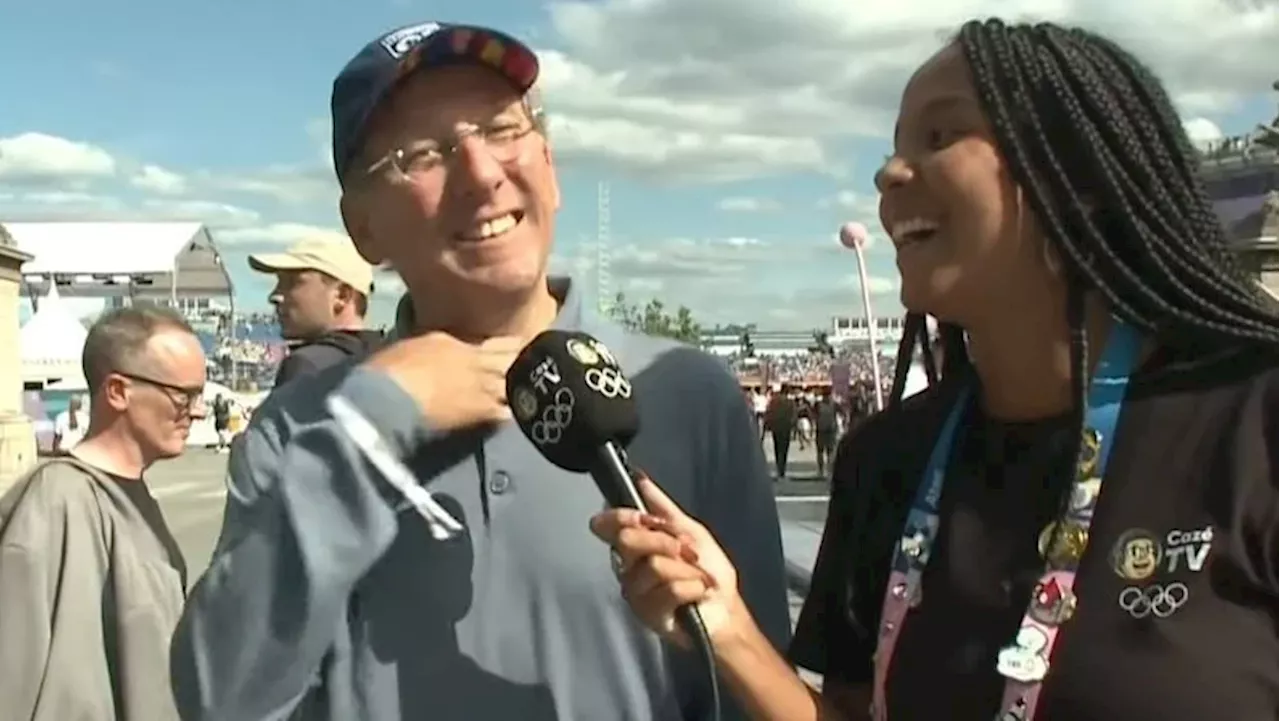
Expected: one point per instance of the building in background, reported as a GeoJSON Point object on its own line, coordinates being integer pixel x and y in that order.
{"type": "Point", "coordinates": [1240, 174]}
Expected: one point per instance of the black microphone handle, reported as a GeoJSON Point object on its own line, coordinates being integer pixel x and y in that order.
{"type": "Point", "coordinates": [612, 475]}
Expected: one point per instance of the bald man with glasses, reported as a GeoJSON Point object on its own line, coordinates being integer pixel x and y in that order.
{"type": "Point", "coordinates": [92, 581]}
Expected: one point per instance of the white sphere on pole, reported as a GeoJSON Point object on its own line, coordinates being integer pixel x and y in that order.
{"type": "Point", "coordinates": [853, 236]}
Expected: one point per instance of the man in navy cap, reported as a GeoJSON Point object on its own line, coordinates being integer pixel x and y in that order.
{"type": "Point", "coordinates": [395, 549]}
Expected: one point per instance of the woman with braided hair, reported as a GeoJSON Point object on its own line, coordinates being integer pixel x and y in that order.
{"type": "Point", "coordinates": [1078, 520]}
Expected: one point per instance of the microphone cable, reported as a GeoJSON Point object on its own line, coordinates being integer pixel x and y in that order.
{"type": "Point", "coordinates": [696, 628]}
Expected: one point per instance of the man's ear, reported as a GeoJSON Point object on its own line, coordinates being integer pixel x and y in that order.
{"type": "Point", "coordinates": [356, 218]}
{"type": "Point", "coordinates": [554, 178]}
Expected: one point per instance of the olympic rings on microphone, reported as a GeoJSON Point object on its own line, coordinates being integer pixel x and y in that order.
{"type": "Point", "coordinates": [555, 418]}
{"type": "Point", "coordinates": [1158, 601]}
{"type": "Point", "coordinates": [608, 382]}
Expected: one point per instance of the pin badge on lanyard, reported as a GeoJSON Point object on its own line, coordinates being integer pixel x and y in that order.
{"type": "Point", "coordinates": [1024, 662]}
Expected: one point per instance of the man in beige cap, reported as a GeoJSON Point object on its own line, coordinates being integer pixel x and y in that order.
{"type": "Point", "coordinates": [321, 297]}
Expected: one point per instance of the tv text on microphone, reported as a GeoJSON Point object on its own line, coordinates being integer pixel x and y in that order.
{"type": "Point", "coordinates": [571, 399]}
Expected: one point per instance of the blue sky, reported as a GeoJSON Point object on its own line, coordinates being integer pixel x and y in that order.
{"type": "Point", "coordinates": [735, 136]}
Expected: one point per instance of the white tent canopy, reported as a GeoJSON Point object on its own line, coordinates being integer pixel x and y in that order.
{"type": "Point", "coordinates": [139, 260]}
{"type": "Point", "coordinates": [51, 342]}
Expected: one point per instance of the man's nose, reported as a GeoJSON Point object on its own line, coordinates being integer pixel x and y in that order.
{"type": "Point", "coordinates": [475, 171]}
{"type": "Point", "coordinates": [198, 409]}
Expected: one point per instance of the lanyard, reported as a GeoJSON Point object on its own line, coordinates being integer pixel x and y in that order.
{"type": "Point", "coordinates": [1024, 662]}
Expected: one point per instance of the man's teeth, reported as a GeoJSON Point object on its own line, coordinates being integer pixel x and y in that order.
{"type": "Point", "coordinates": [491, 228]}
{"type": "Point", "coordinates": [908, 231]}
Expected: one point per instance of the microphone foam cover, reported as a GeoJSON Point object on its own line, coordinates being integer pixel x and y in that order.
{"type": "Point", "coordinates": [570, 398]}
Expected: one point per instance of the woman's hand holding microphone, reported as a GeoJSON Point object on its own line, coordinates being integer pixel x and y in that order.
{"type": "Point", "coordinates": [664, 560]}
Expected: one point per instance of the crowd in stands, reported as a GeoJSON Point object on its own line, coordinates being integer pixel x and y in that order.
{"type": "Point", "coordinates": [250, 354]}
{"type": "Point", "coordinates": [255, 349]}
{"type": "Point", "coordinates": [809, 368]}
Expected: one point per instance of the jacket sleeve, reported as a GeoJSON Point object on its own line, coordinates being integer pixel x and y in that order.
{"type": "Point", "coordinates": [53, 569]}
{"type": "Point", "coordinates": [307, 515]}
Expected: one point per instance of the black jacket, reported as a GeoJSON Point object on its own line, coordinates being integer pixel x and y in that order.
{"type": "Point", "coordinates": [327, 350]}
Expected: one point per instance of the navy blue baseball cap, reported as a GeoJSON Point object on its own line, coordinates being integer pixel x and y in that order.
{"type": "Point", "coordinates": [375, 71]}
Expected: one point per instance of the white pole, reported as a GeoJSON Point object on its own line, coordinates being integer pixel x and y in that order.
{"type": "Point", "coordinates": [854, 237]}
{"type": "Point", "coordinates": [869, 314]}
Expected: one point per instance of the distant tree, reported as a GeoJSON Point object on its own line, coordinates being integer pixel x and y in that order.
{"type": "Point", "coordinates": [654, 319]}
{"type": "Point", "coordinates": [1268, 136]}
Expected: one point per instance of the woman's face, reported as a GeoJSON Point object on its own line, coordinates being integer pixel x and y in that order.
{"type": "Point", "coordinates": [966, 243]}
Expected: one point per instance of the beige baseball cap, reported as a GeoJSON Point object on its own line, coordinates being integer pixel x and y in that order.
{"type": "Point", "coordinates": [335, 258]}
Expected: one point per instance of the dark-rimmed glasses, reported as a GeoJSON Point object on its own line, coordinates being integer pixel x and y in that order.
{"type": "Point", "coordinates": [184, 399]}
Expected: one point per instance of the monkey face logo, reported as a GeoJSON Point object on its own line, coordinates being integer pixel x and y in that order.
{"type": "Point", "coordinates": [524, 403]}
{"type": "Point", "coordinates": [1136, 555]}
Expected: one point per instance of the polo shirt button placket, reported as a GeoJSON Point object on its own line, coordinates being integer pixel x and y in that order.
{"type": "Point", "coordinates": [499, 483]}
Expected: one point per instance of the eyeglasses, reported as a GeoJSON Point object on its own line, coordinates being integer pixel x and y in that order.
{"type": "Point", "coordinates": [184, 399]}
{"type": "Point", "coordinates": [424, 158]}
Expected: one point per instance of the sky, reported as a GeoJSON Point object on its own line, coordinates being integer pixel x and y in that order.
{"type": "Point", "coordinates": [734, 136]}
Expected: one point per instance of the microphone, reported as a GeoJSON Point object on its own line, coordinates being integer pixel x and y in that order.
{"type": "Point", "coordinates": [573, 402]}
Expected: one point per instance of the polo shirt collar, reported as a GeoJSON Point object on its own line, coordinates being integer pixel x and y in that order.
{"type": "Point", "coordinates": [572, 315]}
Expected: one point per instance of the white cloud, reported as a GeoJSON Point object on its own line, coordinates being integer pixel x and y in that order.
{"type": "Point", "coordinates": [155, 179]}
{"type": "Point", "coordinates": [209, 212]}
{"type": "Point", "coordinates": [40, 158]}
{"type": "Point", "coordinates": [58, 205]}
{"type": "Point", "coordinates": [646, 87]}
{"type": "Point", "coordinates": [277, 234]}
{"type": "Point", "coordinates": [748, 205]}
{"type": "Point", "coordinates": [862, 204]}
{"type": "Point", "coordinates": [287, 184]}
{"type": "Point", "coordinates": [675, 259]}
{"type": "Point", "coordinates": [876, 284]}
{"type": "Point", "coordinates": [1202, 131]}
{"type": "Point", "coordinates": [737, 279]}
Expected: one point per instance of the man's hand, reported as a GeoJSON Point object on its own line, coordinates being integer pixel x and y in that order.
{"type": "Point", "coordinates": [456, 384]}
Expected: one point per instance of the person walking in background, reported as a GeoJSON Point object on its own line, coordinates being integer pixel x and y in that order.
{"type": "Point", "coordinates": [759, 404]}
{"type": "Point", "coordinates": [91, 579]}
{"type": "Point", "coordinates": [804, 421]}
{"type": "Point", "coordinates": [222, 421]}
{"type": "Point", "coordinates": [826, 429]}
{"type": "Point", "coordinates": [70, 426]}
{"type": "Point", "coordinates": [780, 422]}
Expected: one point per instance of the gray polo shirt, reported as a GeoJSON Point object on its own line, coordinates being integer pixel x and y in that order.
{"type": "Point", "coordinates": [329, 597]}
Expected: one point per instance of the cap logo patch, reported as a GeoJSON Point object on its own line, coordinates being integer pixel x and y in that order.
{"type": "Point", "coordinates": [400, 42]}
